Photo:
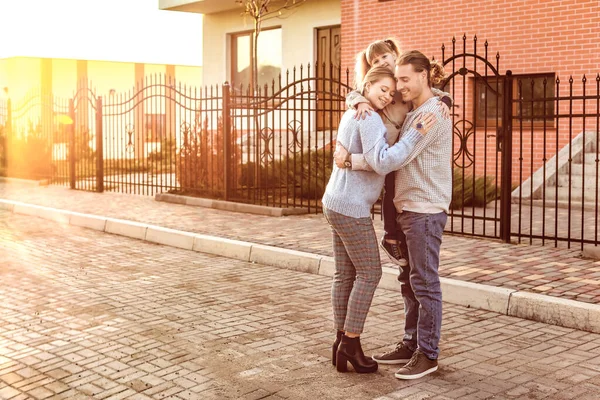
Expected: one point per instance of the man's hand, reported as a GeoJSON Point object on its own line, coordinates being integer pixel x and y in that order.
{"type": "Point", "coordinates": [362, 110]}
{"type": "Point", "coordinates": [339, 156]}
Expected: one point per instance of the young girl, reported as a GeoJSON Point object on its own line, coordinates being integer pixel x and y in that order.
{"type": "Point", "coordinates": [383, 53]}
{"type": "Point", "coordinates": [347, 204]}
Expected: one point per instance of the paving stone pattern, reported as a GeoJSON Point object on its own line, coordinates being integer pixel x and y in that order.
{"type": "Point", "coordinates": [89, 315]}
{"type": "Point", "coordinates": [546, 270]}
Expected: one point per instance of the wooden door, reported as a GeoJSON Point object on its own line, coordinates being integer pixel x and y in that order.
{"type": "Point", "coordinates": [328, 70]}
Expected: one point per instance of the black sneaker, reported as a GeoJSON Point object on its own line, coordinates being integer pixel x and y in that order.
{"type": "Point", "coordinates": [418, 366]}
{"type": "Point", "coordinates": [400, 355]}
{"type": "Point", "coordinates": [392, 250]}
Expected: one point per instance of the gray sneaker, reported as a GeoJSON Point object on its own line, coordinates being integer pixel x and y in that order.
{"type": "Point", "coordinates": [400, 355]}
{"type": "Point", "coordinates": [418, 366]}
{"type": "Point", "coordinates": [392, 250]}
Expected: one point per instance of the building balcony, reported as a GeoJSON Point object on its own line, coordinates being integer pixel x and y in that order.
{"type": "Point", "coordinates": [198, 6]}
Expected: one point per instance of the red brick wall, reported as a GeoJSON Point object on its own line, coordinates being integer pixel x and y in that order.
{"type": "Point", "coordinates": [531, 36]}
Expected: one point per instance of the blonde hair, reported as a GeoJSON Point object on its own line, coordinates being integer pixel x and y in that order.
{"type": "Point", "coordinates": [375, 75]}
{"type": "Point", "coordinates": [435, 71]}
{"type": "Point", "coordinates": [364, 59]}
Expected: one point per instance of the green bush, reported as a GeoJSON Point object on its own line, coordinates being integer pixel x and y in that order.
{"type": "Point", "coordinates": [167, 151]}
{"type": "Point", "coordinates": [469, 192]}
{"type": "Point", "coordinates": [304, 174]}
{"type": "Point", "coordinates": [199, 165]}
{"type": "Point", "coordinates": [311, 173]}
{"type": "Point", "coordinates": [263, 176]}
{"type": "Point", "coordinates": [191, 169]}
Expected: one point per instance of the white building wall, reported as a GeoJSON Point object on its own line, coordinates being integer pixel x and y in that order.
{"type": "Point", "coordinates": [298, 36]}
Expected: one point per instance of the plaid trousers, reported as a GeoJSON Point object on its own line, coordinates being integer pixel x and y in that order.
{"type": "Point", "coordinates": [357, 270]}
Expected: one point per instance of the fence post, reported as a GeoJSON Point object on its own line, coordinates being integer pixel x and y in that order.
{"type": "Point", "coordinates": [7, 136]}
{"type": "Point", "coordinates": [506, 181]}
{"type": "Point", "coordinates": [99, 148]}
{"type": "Point", "coordinates": [72, 149]}
{"type": "Point", "coordinates": [226, 139]}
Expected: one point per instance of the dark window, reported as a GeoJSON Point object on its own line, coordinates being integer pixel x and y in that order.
{"type": "Point", "coordinates": [533, 99]}
{"type": "Point", "coordinates": [488, 100]}
{"type": "Point", "coordinates": [269, 57]}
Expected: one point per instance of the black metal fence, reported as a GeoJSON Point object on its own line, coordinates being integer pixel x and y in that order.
{"type": "Point", "coordinates": [557, 159]}
{"type": "Point", "coordinates": [482, 152]}
{"type": "Point", "coordinates": [526, 156]}
{"type": "Point", "coordinates": [272, 146]}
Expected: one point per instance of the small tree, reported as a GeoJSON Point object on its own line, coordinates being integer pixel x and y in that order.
{"type": "Point", "coordinates": [260, 11]}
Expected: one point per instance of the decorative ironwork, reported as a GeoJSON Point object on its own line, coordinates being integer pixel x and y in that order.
{"type": "Point", "coordinates": [266, 137]}
{"type": "Point", "coordinates": [299, 121]}
{"type": "Point", "coordinates": [191, 134]}
{"type": "Point", "coordinates": [465, 140]}
{"type": "Point", "coordinates": [185, 129]}
{"type": "Point", "coordinates": [130, 129]}
{"type": "Point", "coordinates": [294, 128]}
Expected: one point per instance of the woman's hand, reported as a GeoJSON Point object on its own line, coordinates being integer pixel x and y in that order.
{"type": "Point", "coordinates": [362, 110]}
{"type": "Point", "coordinates": [424, 122]}
{"type": "Point", "coordinates": [339, 156]}
{"type": "Point", "coordinates": [444, 110]}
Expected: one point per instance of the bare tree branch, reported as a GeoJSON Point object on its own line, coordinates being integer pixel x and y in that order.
{"type": "Point", "coordinates": [262, 10]}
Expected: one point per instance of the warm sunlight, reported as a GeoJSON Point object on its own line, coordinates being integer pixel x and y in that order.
{"type": "Point", "coordinates": [111, 30]}
{"type": "Point", "coordinates": [299, 199]}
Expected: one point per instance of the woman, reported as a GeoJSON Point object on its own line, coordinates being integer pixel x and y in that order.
{"type": "Point", "coordinates": [383, 53]}
{"type": "Point", "coordinates": [347, 204]}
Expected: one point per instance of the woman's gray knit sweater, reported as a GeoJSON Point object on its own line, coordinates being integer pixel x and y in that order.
{"type": "Point", "coordinates": [353, 193]}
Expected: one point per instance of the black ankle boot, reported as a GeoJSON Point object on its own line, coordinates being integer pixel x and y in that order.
{"type": "Point", "coordinates": [335, 346]}
{"type": "Point", "coordinates": [351, 351]}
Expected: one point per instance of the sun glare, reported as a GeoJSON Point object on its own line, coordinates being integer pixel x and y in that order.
{"type": "Point", "coordinates": [111, 30]}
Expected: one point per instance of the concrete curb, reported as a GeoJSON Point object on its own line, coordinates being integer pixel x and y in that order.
{"type": "Point", "coordinates": [43, 182]}
{"type": "Point", "coordinates": [284, 258]}
{"type": "Point", "coordinates": [555, 311]}
{"type": "Point", "coordinates": [228, 205]}
{"type": "Point", "coordinates": [222, 247]}
{"type": "Point", "coordinates": [590, 251]}
{"type": "Point", "coordinates": [532, 306]}
{"type": "Point", "coordinates": [476, 295]}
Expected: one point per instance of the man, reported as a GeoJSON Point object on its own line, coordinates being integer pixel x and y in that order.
{"type": "Point", "coordinates": [423, 192]}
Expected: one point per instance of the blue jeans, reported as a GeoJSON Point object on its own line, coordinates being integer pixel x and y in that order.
{"type": "Point", "coordinates": [390, 226]}
{"type": "Point", "coordinates": [420, 238]}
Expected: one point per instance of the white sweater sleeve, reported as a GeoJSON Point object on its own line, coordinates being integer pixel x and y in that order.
{"type": "Point", "coordinates": [382, 158]}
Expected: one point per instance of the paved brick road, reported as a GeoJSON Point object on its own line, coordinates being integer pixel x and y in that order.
{"type": "Point", "coordinates": [91, 315]}
{"type": "Point", "coordinates": [545, 270]}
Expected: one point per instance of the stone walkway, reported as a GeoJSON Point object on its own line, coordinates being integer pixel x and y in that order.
{"type": "Point", "coordinates": [89, 315]}
{"type": "Point", "coordinates": [546, 270]}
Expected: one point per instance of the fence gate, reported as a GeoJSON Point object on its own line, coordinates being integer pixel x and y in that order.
{"type": "Point", "coordinates": [83, 138]}
{"type": "Point", "coordinates": [481, 138]}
